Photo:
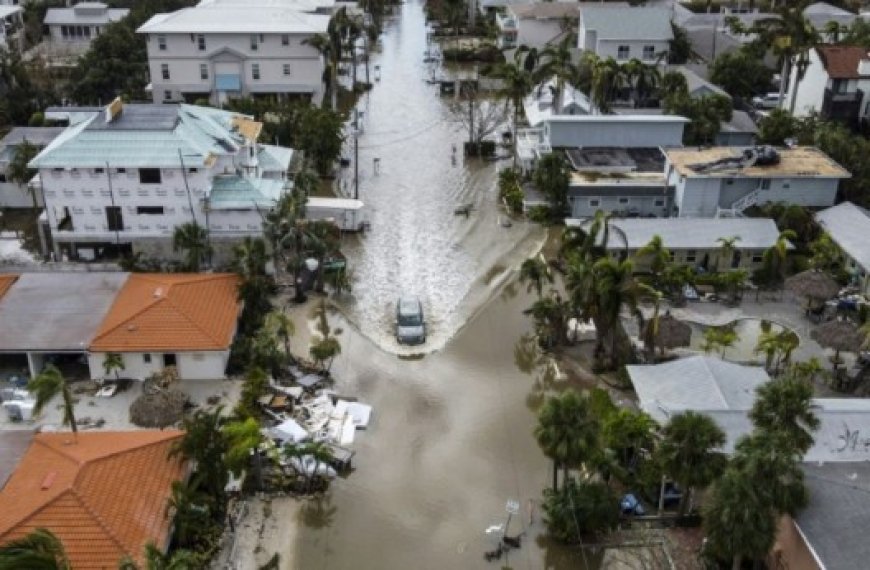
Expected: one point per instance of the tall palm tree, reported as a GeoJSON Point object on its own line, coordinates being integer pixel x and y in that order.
{"type": "Point", "coordinates": [567, 432]}
{"type": "Point", "coordinates": [719, 338]}
{"type": "Point", "coordinates": [738, 521]}
{"type": "Point", "coordinates": [557, 61]}
{"type": "Point", "coordinates": [192, 239]}
{"type": "Point", "coordinates": [643, 79]}
{"type": "Point", "coordinates": [727, 247]}
{"type": "Point", "coordinates": [243, 442]}
{"type": "Point", "coordinates": [656, 254]}
{"type": "Point", "coordinates": [282, 326]}
{"type": "Point", "coordinates": [615, 289]}
{"type": "Point", "coordinates": [517, 82]}
{"type": "Point", "coordinates": [777, 347]}
{"type": "Point", "coordinates": [38, 550]}
{"type": "Point", "coordinates": [785, 405]}
{"type": "Point", "coordinates": [189, 508]}
{"type": "Point", "coordinates": [48, 384]}
{"type": "Point", "coordinates": [607, 77]}
{"type": "Point", "coordinates": [205, 445]}
{"type": "Point", "coordinates": [688, 452]}
{"type": "Point", "coordinates": [113, 361]}
{"type": "Point", "coordinates": [535, 273]}
{"type": "Point", "coordinates": [18, 172]}
{"type": "Point", "coordinates": [325, 47]}
{"type": "Point", "coordinates": [775, 256]}
{"type": "Point", "coordinates": [774, 463]}
{"type": "Point", "coordinates": [550, 314]}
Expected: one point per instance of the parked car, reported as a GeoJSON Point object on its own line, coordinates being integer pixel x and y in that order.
{"type": "Point", "coordinates": [768, 101]}
{"type": "Point", "coordinates": [410, 325]}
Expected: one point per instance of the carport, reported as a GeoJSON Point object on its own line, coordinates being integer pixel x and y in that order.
{"type": "Point", "coordinates": [53, 316]}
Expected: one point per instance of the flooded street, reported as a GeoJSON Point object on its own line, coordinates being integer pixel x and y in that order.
{"type": "Point", "coordinates": [417, 246]}
{"type": "Point", "coordinates": [451, 437]}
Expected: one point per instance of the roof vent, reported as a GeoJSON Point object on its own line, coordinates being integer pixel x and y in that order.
{"type": "Point", "coordinates": [158, 292]}
{"type": "Point", "coordinates": [49, 480]}
{"type": "Point", "coordinates": [132, 328]}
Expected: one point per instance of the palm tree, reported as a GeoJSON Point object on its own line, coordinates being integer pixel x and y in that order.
{"type": "Point", "coordinates": [777, 348]}
{"type": "Point", "coordinates": [567, 432]}
{"type": "Point", "coordinates": [189, 509]}
{"type": "Point", "coordinates": [642, 79]}
{"type": "Point", "coordinates": [650, 329]}
{"type": "Point", "coordinates": [615, 289]}
{"type": "Point", "coordinates": [785, 405]}
{"type": "Point", "coordinates": [835, 30]}
{"type": "Point", "coordinates": [319, 451]}
{"type": "Point", "coordinates": [607, 77]}
{"type": "Point", "coordinates": [48, 384]}
{"type": "Point", "coordinates": [192, 239]}
{"type": "Point", "coordinates": [774, 464]}
{"type": "Point", "coordinates": [282, 326]}
{"type": "Point", "coordinates": [205, 445]}
{"type": "Point", "coordinates": [38, 550]}
{"type": "Point", "coordinates": [324, 350]}
{"type": "Point", "coordinates": [243, 442]}
{"type": "Point", "coordinates": [738, 522]}
{"type": "Point", "coordinates": [727, 247]}
{"type": "Point", "coordinates": [719, 338]}
{"type": "Point", "coordinates": [774, 257]}
{"type": "Point", "coordinates": [688, 452]}
{"type": "Point", "coordinates": [113, 361]}
{"type": "Point", "coordinates": [325, 47]}
{"type": "Point", "coordinates": [517, 82]}
{"type": "Point", "coordinates": [656, 254]}
{"type": "Point", "coordinates": [674, 279]}
{"type": "Point", "coordinates": [155, 559]}
{"type": "Point", "coordinates": [535, 272]}
{"type": "Point", "coordinates": [18, 172]}
{"type": "Point", "coordinates": [557, 61]}
{"type": "Point", "coordinates": [551, 318]}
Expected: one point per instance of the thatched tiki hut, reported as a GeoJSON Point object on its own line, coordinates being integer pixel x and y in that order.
{"type": "Point", "coordinates": [815, 286]}
{"type": "Point", "coordinates": [667, 334]}
{"type": "Point", "coordinates": [838, 335]}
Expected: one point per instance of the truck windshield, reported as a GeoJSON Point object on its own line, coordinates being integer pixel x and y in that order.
{"type": "Point", "coordinates": [410, 320]}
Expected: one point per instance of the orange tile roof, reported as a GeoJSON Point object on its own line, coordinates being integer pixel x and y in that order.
{"type": "Point", "coordinates": [6, 282]}
{"type": "Point", "coordinates": [171, 312]}
{"type": "Point", "coordinates": [104, 496]}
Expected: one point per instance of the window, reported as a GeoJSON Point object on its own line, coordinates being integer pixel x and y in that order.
{"type": "Point", "coordinates": [594, 203]}
{"type": "Point", "coordinates": [623, 52]}
{"type": "Point", "coordinates": [120, 170]}
{"type": "Point", "coordinates": [623, 200]}
{"type": "Point", "coordinates": [200, 42]}
{"type": "Point", "coordinates": [691, 255]}
{"type": "Point", "coordinates": [659, 202]}
{"type": "Point", "coordinates": [114, 218]}
{"type": "Point", "coordinates": [150, 210]}
{"type": "Point", "coordinates": [765, 184]}
{"type": "Point", "coordinates": [649, 52]}
{"type": "Point", "coordinates": [146, 358]}
{"type": "Point", "coordinates": [255, 70]}
{"type": "Point", "coordinates": [192, 170]}
{"type": "Point", "coordinates": [149, 176]}
{"type": "Point", "coordinates": [729, 181]}
{"type": "Point", "coordinates": [161, 42]}
{"type": "Point", "coordinates": [164, 70]}
{"type": "Point", "coordinates": [99, 171]}
{"type": "Point", "coordinates": [840, 86]}
{"type": "Point", "coordinates": [757, 258]}
{"type": "Point", "coordinates": [786, 184]}
{"type": "Point", "coordinates": [254, 45]}
{"type": "Point", "coordinates": [285, 40]}
{"type": "Point", "coordinates": [203, 71]}
{"type": "Point", "coordinates": [286, 68]}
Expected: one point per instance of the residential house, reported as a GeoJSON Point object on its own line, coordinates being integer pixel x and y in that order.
{"type": "Point", "coordinates": [536, 24]}
{"type": "Point", "coordinates": [157, 320]}
{"type": "Point", "coordinates": [740, 130]}
{"type": "Point", "coordinates": [724, 181]}
{"type": "Point", "coordinates": [625, 32]}
{"type": "Point", "coordinates": [694, 241]}
{"type": "Point", "coordinates": [15, 194]}
{"type": "Point", "coordinates": [540, 104]}
{"type": "Point", "coordinates": [827, 533]}
{"type": "Point", "coordinates": [81, 23]}
{"type": "Point", "coordinates": [849, 227]}
{"type": "Point", "coordinates": [127, 176]}
{"type": "Point", "coordinates": [834, 84]}
{"type": "Point", "coordinates": [11, 24]}
{"type": "Point", "coordinates": [220, 50]}
{"type": "Point", "coordinates": [104, 495]}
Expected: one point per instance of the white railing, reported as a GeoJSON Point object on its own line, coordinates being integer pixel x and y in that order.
{"type": "Point", "coordinates": [744, 202]}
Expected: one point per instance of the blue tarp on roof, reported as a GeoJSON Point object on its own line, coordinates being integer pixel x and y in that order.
{"type": "Point", "coordinates": [228, 82]}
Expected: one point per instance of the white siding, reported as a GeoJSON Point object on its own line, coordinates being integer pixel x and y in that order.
{"type": "Point", "coordinates": [811, 90]}
{"type": "Point", "coordinates": [619, 132]}
{"type": "Point", "coordinates": [610, 48]}
{"type": "Point", "coordinates": [206, 365]}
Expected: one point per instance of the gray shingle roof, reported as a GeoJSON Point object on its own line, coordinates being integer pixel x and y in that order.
{"type": "Point", "coordinates": [695, 233]}
{"type": "Point", "coordinates": [849, 226]}
{"type": "Point", "coordinates": [627, 23]}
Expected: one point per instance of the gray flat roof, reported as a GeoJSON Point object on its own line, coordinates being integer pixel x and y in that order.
{"type": "Point", "coordinates": [849, 226]}
{"type": "Point", "coordinates": [13, 446]}
{"type": "Point", "coordinates": [694, 233]}
{"type": "Point", "coordinates": [621, 22]}
{"type": "Point", "coordinates": [51, 312]}
{"type": "Point", "coordinates": [635, 159]}
{"type": "Point", "coordinates": [39, 136]}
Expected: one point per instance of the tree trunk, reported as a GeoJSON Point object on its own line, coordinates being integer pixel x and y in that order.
{"type": "Point", "coordinates": [786, 60]}
{"type": "Point", "coordinates": [555, 475]}
{"type": "Point", "coordinates": [737, 562]}
{"type": "Point", "coordinates": [684, 502]}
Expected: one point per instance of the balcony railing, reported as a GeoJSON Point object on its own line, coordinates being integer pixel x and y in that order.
{"type": "Point", "coordinates": [842, 106]}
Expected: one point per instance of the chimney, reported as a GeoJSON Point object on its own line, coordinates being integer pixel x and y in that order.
{"type": "Point", "coordinates": [114, 109]}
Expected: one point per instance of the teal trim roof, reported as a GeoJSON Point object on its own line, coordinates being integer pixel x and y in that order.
{"type": "Point", "coordinates": [240, 192]}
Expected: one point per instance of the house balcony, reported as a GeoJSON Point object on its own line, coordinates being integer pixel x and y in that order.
{"type": "Point", "coordinates": [844, 107]}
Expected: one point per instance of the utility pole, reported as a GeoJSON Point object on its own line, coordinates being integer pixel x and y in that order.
{"type": "Point", "coordinates": [355, 153]}
{"type": "Point", "coordinates": [112, 199]}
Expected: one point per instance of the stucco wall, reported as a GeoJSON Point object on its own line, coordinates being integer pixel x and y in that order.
{"type": "Point", "coordinates": [207, 365]}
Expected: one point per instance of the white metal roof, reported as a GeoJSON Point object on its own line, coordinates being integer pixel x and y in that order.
{"type": "Point", "coordinates": [621, 22]}
{"type": "Point", "coordinates": [334, 203]}
{"type": "Point", "coordinates": [6, 11]}
{"type": "Point", "coordinates": [236, 19]}
{"type": "Point", "coordinates": [693, 233]}
{"type": "Point", "coordinates": [93, 15]}
{"type": "Point", "coordinates": [849, 226]}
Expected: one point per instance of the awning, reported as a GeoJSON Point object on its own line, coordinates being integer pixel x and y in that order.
{"type": "Point", "coordinates": [229, 82]}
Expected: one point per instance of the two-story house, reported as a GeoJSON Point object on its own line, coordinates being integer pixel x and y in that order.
{"type": "Point", "coordinates": [724, 181]}
{"type": "Point", "coordinates": [81, 23]}
{"type": "Point", "coordinates": [17, 194]}
{"type": "Point", "coordinates": [535, 24]}
{"type": "Point", "coordinates": [834, 85]}
{"type": "Point", "coordinates": [220, 50]}
{"type": "Point", "coordinates": [125, 178]}
{"type": "Point", "coordinates": [625, 32]}
{"type": "Point", "coordinates": [11, 23]}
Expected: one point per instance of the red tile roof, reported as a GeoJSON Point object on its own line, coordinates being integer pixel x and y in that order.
{"type": "Point", "coordinates": [6, 282]}
{"type": "Point", "coordinates": [103, 496]}
{"type": "Point", "coordinates": [841, 62]}
{"type": "Point", "coordinates": [171, 312]}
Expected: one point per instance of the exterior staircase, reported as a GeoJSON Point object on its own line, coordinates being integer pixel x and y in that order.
{"type": "Point", "coordinates": [739, 206]}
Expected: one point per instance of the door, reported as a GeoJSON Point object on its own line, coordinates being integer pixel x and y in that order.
{"type": "Point", "coordinates": [169, 360]}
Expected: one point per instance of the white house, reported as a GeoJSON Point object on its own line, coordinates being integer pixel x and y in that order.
{"type": "Point", "coordinates": [81, 23]}
{"type": "Point", "coordinates": [849, 227]}
{"type": "Point", "coordinates": [536, 24]}
{"type": "Point", "coordinates": [11, 23]}
{"type": "Point", "coordinates": [224, 49]}
{"type": "Point", "coordinates": [540, 104]}
{"type": "Point", "coordinates": [127, 176]}
{"type": "Point", "coordinates": [835, 84]}
{"type": "Point", "coordinates": [14, 194]}
{"type": "Point", "coordinates": [157, 320]}
{"type": "Point", "coordinates": [694, 241]}
{"type": "Point", "coordinates": [625, 32]}
{"type": "Point", "coordinates": [722, 181]}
